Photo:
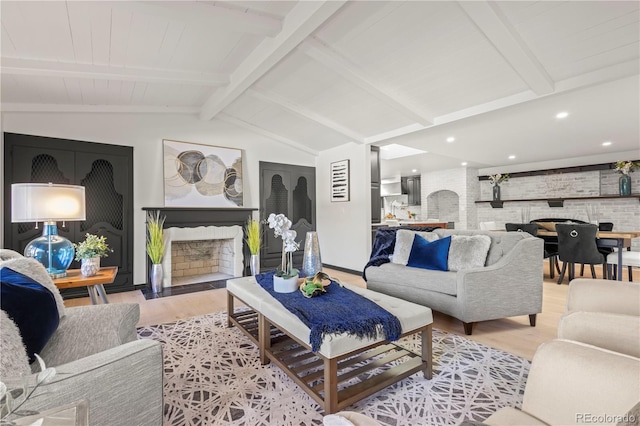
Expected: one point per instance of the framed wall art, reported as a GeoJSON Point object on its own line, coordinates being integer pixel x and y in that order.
{"type": "Point", "coordinates": [201, 175]}
{"type": "Point", "coordinates": [340, 181]}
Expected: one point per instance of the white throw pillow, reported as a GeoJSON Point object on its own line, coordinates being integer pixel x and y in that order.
{"type": "Point", "coordinates": [468, 251]}
{"type": "Point", "coordinates": [404, 242]}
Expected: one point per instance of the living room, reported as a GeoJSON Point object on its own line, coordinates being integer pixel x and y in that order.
{"type": "Point", "coordinates": [314, 83]}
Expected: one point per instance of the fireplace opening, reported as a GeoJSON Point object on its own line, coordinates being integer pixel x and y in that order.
{"type": "Point", "coordinates": [198, 261]}
{"type": "Point", "coordinates": [202, 254]}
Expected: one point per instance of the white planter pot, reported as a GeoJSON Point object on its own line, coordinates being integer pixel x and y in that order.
{"type": "Point", "coordinates": [90, 267]}
{"type": "Point", "coordinates": [285, 285]}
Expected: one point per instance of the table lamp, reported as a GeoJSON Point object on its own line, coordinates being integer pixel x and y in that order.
{"type": "Point", "coordinates": [48, 203]}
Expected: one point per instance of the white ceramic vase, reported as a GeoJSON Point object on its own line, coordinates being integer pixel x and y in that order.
{"type": "Point", "coordinates": [90, 267]}
{"type": "Point", "coordinates": [285, 285]}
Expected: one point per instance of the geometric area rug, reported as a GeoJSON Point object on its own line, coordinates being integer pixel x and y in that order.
{"type": "Point", "coordinates": [213, 376]}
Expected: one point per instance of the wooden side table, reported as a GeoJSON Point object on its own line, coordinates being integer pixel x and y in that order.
{"type": "Point", "coordinates": [74, 278]}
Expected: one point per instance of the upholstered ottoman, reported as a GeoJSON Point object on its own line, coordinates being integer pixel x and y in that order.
{"type": "Point", "coordinates": [345, 369]}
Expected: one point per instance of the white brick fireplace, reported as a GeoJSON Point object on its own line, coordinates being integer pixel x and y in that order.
{"type": "Point", "coordinates": [226, 255]}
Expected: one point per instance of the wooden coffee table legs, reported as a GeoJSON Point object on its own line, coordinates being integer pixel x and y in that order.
{"type": "Point", "coordinates": [334, 383]}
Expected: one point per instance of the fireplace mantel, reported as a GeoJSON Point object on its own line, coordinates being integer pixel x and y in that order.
{"type": "Point", "coordinates": [191, 217]}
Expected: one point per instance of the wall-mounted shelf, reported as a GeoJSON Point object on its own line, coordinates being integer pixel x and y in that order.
{"type": "Point", "coordinates": [558, 202]}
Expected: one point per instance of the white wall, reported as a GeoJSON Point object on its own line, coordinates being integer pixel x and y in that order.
{"type": "Point", "coordinates": [144, 132]}
{"type": "Point", "coordinates": [344, 228]}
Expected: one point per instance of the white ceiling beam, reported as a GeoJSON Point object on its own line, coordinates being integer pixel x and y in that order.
{"type": "Point", "coordinates": [221, 15]}
{"type": "Point", "coordinates": [103, 109]}
{"type": "Point", "coordinates": [304, 112]}
{"type": "Point", "coordinates": [263, 132]}
{"type": "Point", "coordinates": [31, 67]}
{"type": "Point", "coordinates": [302, 20]}
{"type": "Point", "coordinates": [324, 54]}
{"type": "Point", "coordinates": [504, 37]}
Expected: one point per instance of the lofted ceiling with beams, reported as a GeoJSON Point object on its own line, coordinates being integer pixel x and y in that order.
{"type": "Point", "coordinates": [316, 75]}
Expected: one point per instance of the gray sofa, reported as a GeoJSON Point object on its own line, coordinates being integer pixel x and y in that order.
{"type": "Point", "coordinates": [510, 283]}
{"type": "Point", "coordinates": [96, 356]}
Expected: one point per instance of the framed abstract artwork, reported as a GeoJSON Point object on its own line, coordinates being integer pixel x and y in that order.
{"type": "Point", "coordinates": [201, 175]}
{"type": "Point", "coordinates": [340, 181]}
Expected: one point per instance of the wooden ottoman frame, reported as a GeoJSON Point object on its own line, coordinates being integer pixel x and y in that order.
{"type": "Point", "coordinates": [333, 382]}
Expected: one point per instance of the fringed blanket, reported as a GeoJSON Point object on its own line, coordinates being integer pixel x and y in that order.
{"type": "Point", "coordinates": [339, 310]}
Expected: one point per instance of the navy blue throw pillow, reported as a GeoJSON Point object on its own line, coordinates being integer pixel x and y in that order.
{"type": "Point", "coordinates": [432, 255]}
{"type": "Point", "coordinates": [31, 306]}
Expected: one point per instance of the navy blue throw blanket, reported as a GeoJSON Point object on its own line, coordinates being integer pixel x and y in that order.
{"type": "Point", "coordinates": [385, 243]}
{"type": "Point", "coordinates": [339, 310]}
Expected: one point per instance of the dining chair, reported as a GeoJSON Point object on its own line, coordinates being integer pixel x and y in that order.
{"type": "Point", "coordinates": [550, 252]}
{"type": "Point", "coordinates": [577, 244]}
{"type": "Point", "coordinates": [602, 226]}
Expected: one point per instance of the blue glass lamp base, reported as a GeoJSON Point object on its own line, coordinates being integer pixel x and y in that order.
{"type": "Point", "coordinates": [53, 251]}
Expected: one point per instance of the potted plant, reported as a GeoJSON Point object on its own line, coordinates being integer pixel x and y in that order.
{"type": "Point", "coordinates": [89, 252]}
{"type": "Point", "coordinates": [253, 237]}
{"type": "Point", "coordinates": [285, 279]}
{"type": "Point", "coordinates": [155, 248]}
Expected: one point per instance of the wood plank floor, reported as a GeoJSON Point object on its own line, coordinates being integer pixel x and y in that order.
{"type": "Point", "coordinates": [513, 335]}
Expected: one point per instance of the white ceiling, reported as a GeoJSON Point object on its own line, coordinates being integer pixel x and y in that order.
{"type": "Point", "coordinates": [316, 75]}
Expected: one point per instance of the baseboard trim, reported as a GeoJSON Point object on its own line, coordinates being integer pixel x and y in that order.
{"type": "Point", "coordinates": [341, 269]}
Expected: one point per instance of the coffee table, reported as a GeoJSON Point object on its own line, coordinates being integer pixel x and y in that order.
{"type": "Point", "coordinates": [345, 369]}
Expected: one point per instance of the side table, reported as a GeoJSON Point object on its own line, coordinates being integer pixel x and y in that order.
{"type": "Point", "coordinates": [74, 278]}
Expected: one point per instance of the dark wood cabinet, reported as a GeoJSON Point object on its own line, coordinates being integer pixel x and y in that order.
{"type": "Point", "coordinates": [106, 172]}
{"type": "Point", "coordinates": [376, 200]}
{"type": "Point", "coordinates": [411, 186]}
{"type": "Point", "coordinates": [291, 190]}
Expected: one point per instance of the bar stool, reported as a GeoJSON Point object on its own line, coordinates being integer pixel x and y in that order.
{"type": "Point", "coordinates": [630, 259]}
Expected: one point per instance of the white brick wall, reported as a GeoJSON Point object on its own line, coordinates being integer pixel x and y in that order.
{"type": "Point", "coordinates": [438, 188]}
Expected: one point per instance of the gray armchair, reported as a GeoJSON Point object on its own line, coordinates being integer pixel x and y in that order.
{"type": "Point", "coordinates": [97, 357]}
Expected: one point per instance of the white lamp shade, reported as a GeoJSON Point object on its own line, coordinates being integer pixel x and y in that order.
{"type": "Point", "coordinates": [46, 202]}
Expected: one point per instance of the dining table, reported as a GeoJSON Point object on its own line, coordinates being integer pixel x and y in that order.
{"type": "Point", "coordinates": [612, 239]}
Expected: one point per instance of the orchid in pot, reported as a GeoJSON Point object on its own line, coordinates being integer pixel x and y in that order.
{"type": "Point", "coordinates": [285, 279]}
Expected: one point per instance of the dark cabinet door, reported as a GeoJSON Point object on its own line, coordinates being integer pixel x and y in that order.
{"type": "Point", "coordinates": [290, 190]}
{"type": "Point", "coordinates": [106, 172]}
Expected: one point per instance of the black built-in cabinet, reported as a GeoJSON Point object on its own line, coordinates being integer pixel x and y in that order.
{"type": "Point", "coordinates": [106, 172]}
{"type": "Point", "coordinates": [291, 190]}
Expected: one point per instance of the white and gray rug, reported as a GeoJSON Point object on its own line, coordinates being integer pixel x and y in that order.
{"type": "Point", "coordinates": [213, 377]}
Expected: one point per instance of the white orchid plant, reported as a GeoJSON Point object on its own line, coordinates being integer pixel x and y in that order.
{"type": "Point", "coordinates": [498, 178]}
{"type": "Point", "coordinates": [625, 167]}
{"type": "Point", "coordinates": [281, 226]}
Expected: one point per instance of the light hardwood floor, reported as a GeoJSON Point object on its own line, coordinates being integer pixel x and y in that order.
{"type": "Point", "coordinates": [512, 335]}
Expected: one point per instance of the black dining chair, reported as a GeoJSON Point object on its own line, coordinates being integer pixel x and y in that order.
{"type": "Point", "coordinates": [577, 244]}
{"type": "Point", "coordinates": [550, 252]}
{"type": "Point", "coordinates": [606, 251]}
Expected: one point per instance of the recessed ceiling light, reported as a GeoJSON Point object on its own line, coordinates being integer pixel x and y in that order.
{"type": "Point", "coordinates": [563, 114]}
{"type": "Point", "coordinates": [451, 139]}
{"type": "Point", "coordinates": [464, 163]}
{"type": "Point", "coordinates": [606, 143]}
{"type": "Point", "coordinates": [414, 170]}
{"type": "Point", "coordinates": [512, 157]}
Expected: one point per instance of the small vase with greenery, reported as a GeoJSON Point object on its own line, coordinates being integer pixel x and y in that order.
{"type": "Point", "coordinates": [253, 237]}
{"type": "Point", "coordinates": [155, 247]}
{"type": "Point", "coordinates": [89, 253]}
